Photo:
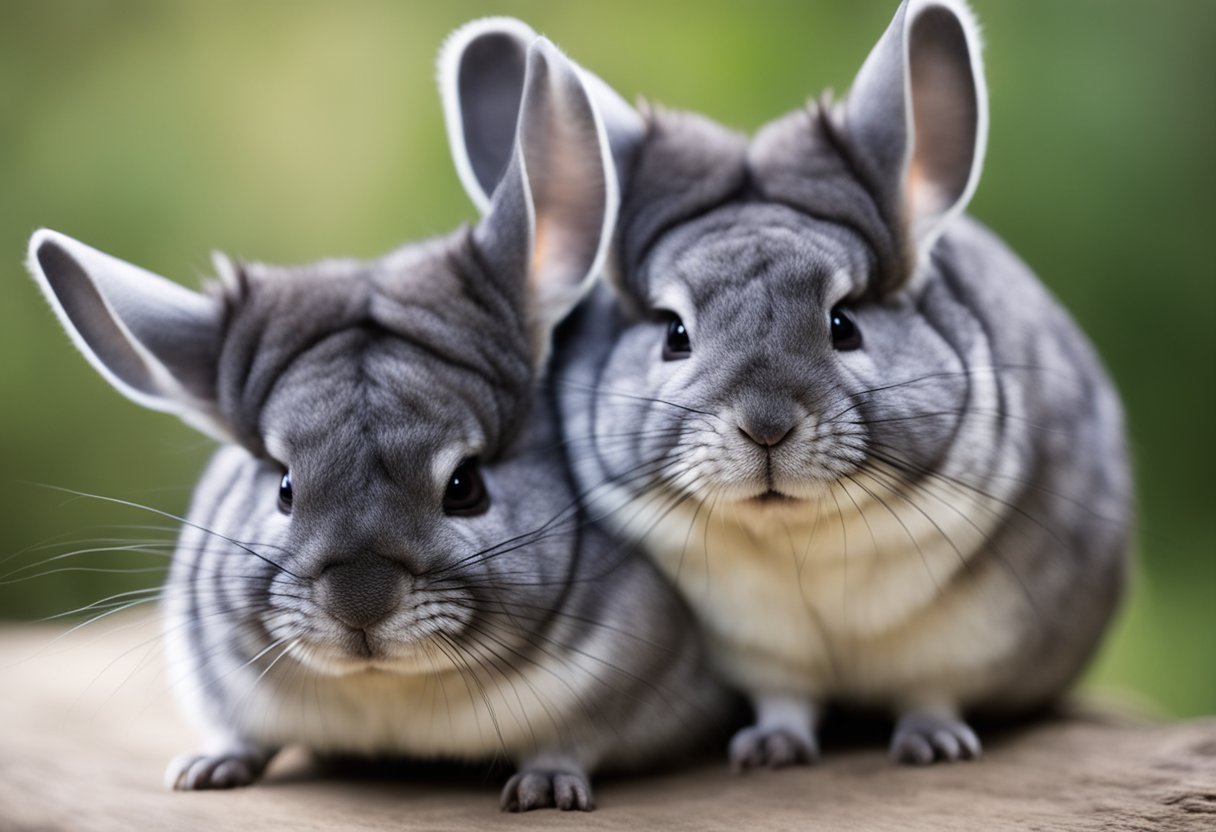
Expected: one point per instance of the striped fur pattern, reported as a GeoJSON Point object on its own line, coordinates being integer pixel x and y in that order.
{"type": "Point", "coordinates": [933, 518]}
{"type": "Point", "coordinates": [943, 526]}
{"type": "Point", "coordinates": [328, 589]}
{"type": "Point", "coordinates": [521, 631]}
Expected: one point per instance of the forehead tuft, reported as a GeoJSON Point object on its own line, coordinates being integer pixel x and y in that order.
{"type": "Point", "coordinates": [419, 326]}
{"type": "Point", "coordinates": [690, 168]}
{"type": "Point", "coordinates": [687, 165]}
{"type": "Point", "coordinates": [365, 400]}
{"type": "Point", "coordinates": [743, 250]}
{"type": "Point", "coordinates": [806, 160]}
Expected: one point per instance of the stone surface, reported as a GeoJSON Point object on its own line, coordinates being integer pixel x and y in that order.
{"type": "Point", "coordinates": [87, 725]}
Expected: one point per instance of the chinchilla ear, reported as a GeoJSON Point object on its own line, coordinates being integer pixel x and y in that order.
{"type": "Point", "coordinates": [481, 82]}
{"type": "Point", "coordinates": [155, 341]}
{"type": "Point", "coordinates": [917, 114]}
{"type": "Point", "coordinates": [552, 215]}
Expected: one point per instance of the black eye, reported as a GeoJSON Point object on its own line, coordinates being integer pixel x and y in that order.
{"type": "Point", "coordinates": [466, 494]}
{"type": "Point", "coordinates": [285, 493]}
{"type": "Point", "coordinates": [845, 334]}
{"type": "Point", "coordinates": [676, 346]}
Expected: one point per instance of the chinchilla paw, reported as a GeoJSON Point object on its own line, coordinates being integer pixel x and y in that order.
{"type": "Point", "coordinates": [770, 747]}
{"type": "Point", "coordinates": [546, 789]}
{"type": "Point", "coordinates": [191, 772]}
{"type": "Point", "coordinates": [922, 739]}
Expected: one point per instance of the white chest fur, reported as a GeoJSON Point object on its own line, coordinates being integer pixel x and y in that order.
{"type": "Point", "coordinates": [445, 715]}
{"type": "Point", "coordinates": [479, 710]}
{"type": "Point", "coordinates": [850, 596]}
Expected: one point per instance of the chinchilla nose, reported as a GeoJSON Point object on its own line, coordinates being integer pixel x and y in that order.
{"type": "Point", "coordinates": [767, 424]}
{"type": "Point", "coordinates": [360, 592]}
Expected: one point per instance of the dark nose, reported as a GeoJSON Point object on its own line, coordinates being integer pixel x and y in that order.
{"type": "Point", "coordinates": [767, 427]}
{"type": "Point", "coordinates": [360, 592]}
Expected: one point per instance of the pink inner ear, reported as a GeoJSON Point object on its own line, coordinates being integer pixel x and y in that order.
{"type": "Point", "coordinates": [566, 176]}
{"type": "Point", "coordinates": [540, 245]}
{"type": "Point", "coordinates": [919, 197]}
{"type": "Point", "coordinates": [945, 114]}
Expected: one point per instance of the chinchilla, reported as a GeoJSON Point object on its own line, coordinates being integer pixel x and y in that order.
{"type": "Point", "coordinates": [879, 459]}
{"type": "Point", "coordinates": [384, 557]}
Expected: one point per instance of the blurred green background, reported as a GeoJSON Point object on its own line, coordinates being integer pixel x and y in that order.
{"type": "Point", "coordinates": [292, 131]}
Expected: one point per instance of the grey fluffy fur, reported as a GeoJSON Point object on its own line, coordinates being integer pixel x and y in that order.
{"type": "Point", "coordinates": [368, 620]}
{"type": "Point", "coordinates": [942, 524]}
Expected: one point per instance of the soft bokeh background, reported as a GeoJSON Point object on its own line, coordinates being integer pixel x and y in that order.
{"type": "Point", "coordinates": [291, 131]}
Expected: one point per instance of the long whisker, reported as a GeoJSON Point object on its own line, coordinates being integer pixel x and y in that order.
{"type": "Point", "coordinates": [171, 516]}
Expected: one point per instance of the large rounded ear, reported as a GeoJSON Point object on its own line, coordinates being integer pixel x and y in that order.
{"type": "Point", "coordinates": [917, 115]}
{"type": "Point", "coordinates": [155, 341]}
{"type": "Point", "coordinates": [481, 82]}
{"type": "Point", "coordinates": [553, 212]}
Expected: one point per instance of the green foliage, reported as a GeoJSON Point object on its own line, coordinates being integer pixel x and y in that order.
{"type": "Point", "coordinates": [291, 131]}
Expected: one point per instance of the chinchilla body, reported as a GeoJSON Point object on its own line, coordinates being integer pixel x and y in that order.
{"type": "Point", "coordinates": [957, 526]}
{"type": "Point", "coordinates": [882, 463]}
{"type": "Point", "coordinates": [387, 555]}
{"type": "Point", "coordinates": [517, 631]}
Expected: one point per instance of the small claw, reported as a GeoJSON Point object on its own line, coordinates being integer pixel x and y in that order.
{"type": "Point", "coordinates": [230, 773]}
{"type": "Point", "coordinates": [571, 793]}
{"type": "Point", "coordinates": [972, 749]}
{"type": "Point", "coordinates": [198, 775]}
{"type": "Point", "coordinates": [913, 749]}
{"type": "Point", "coordinates": [508, 801]}
{"type": "Point", "coordinates": [948, 748]}
{"type": "Point", "coordinates": [175, 774]}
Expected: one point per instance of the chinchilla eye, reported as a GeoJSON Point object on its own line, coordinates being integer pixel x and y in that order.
{"type": "Point", "coordinates": [466, 495]}
{"type": "Point", "coordinates": [285, 494]}
{"type": "Point", "coordinates": [845, 334]}
{"type": "Point", "coordinates": [676, 346]}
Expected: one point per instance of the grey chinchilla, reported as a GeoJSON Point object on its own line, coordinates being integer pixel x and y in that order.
{"type": "Point", "coordinates": [880, 460]}
{"type": "Point", "coordinates": [385, 557]}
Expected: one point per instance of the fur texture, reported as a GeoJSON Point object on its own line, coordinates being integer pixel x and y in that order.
{"type": "Point", "coordinates": [328, 589]}
{"type": "Point", "coordinates": [933, 518]}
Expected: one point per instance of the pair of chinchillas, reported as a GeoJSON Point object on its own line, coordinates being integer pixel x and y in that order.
{"type": "Point", "coordinates": [818, 437]}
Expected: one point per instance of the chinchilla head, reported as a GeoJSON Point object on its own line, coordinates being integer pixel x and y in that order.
{"type": "Point", "coordinates": [771, 286]}
{"type": "Point", "coordinates": [387, 476]}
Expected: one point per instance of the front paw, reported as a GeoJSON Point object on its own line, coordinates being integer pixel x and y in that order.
{"type": "Point", "coordinates": [771, 747]}
{"type": "Point", "coordinates": [226, 770]}
{"type": "Point", "coordinates": [546, 789]}
{"type": "Point", "coordinates": [922, 739]}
